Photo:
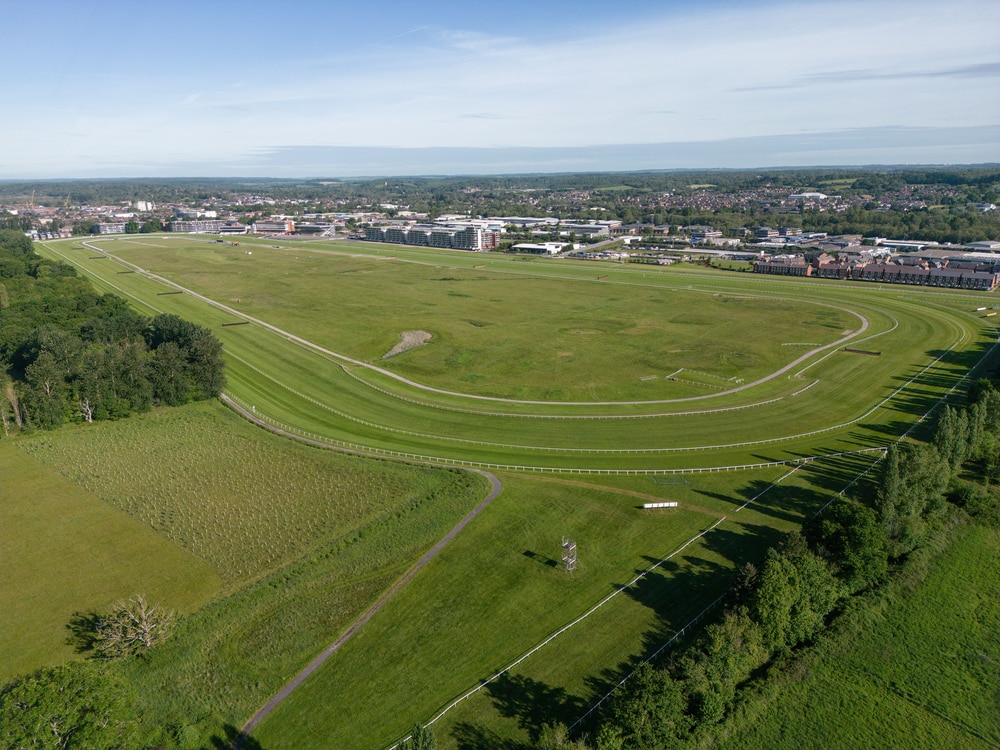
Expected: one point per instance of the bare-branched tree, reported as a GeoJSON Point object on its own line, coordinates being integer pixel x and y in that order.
{"type": "Point", "coordinates": [132, 627]}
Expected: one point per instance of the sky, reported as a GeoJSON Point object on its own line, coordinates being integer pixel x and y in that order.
{"type": "Point", "coordinates": [323, 88]}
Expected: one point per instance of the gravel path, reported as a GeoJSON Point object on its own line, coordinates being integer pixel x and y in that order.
{"type": "Point", "coordinates": [495, 488]}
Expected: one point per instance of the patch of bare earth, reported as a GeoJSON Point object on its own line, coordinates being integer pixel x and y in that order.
{"type": "Point", "coordinates": [408, 340]}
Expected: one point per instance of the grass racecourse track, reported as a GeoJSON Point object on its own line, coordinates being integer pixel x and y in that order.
{"type": "Point", "coordinates": [589, 388]}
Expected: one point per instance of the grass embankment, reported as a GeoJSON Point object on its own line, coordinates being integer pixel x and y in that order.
{"type": "Point", "coordinates": [317, 535]}
{"type": "Point", "coordinates": [916, 666]}
{"type": "Point", "coordinates": [63, 550]}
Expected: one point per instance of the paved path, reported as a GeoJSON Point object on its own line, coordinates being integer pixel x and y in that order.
{"type": "Point", "coordinates": [495, 488]}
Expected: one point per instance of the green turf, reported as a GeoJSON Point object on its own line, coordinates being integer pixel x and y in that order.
{"type": "Point", "coordinates": [487, 324]}
{"type": "Point", "coordinates": [499, 590]}
{"type": "Point", "coordinates": [64, 551]}
{"type": "Point", "coordinates": [927, 339]}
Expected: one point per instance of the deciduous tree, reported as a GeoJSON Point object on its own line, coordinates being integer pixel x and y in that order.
{"type": "Point", "coordinates": [132, 627]}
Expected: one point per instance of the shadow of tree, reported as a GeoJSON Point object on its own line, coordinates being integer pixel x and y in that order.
{"type": "Point", "coordinates": [532, 702]}
{"type": "Point", "coordinates": [233, 739]}
{"type": "Point", "coordinates": [473, 737]}
{"type": "Point", "coordinates": [82, 627]}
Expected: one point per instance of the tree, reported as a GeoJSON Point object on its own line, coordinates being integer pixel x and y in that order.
{"type": "Point", "coordinates": [773, 599]}
{"type": "Point", "coordinates": [850, 536]}
{"type": "Point", "coordinates": [132, 627]}
{"type": "Point", "coordinates": [206, 368]}
{"type": "Point", "coordinates": [910, 493]}
{"type": "Point", "coordinates": [79, 705]}
{"type": "Point", "coordinates": [132, 227]}
{"type": "Point", "coordinates": [47, 391]}
{"type": "Point", "coordinates": [648, 712]}
{"type": "Point", "coordinates": [951, 437]}
{"type": "Point", "coordinates": [12, 239]}
{"type": "Point", "coordinates": [168, 373]}
{"type": "Point", "coordinates": [421, 738]}
{"type": "Point", "coordinates": [556, 737]}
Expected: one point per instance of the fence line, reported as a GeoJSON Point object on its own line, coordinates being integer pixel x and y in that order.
{"type": "Point", "coordinates": [359, 448]}
{"type": "Point", "coordinates": [566, 627]}
{"type": "Point", "coordinates": [609, 451]}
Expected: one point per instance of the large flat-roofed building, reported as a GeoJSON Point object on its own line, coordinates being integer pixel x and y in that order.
{"type": "Point", "coordinates": [586, 230]}
{"type": "Point", "coordinates": [468, 238]}
{"type": "Point", "coordinates": [195, 227]}
{"type": "Point", "coordinates": [540, 248]}
{"type": "Point", "coordinates": [108, 228]}
{"type": "Point", "coordinates": [282, 226]}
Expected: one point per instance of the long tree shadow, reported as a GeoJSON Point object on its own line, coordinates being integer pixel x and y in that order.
{"type": "Point", "coordinates": [473, 737]}
{"type": "Point", "coordinates": [680, 590]}
{"type": "Point", "coordinates": [233, 739]}
{"type": "Point", "coordinates": [533, 703]}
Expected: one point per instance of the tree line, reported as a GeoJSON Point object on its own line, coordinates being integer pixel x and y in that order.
{"type": "Point", "coordinates": [851, 548]}
{"type": "Point", "coordinates": [67, 353]}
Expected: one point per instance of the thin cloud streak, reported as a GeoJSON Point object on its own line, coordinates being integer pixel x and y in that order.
{"type": "Point", "coordinates": [978, 70]}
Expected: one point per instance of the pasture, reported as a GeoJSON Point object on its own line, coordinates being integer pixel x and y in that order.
{"type": "Point", "coordinates": [589, 386]}
{"type": "Point", "coordinates": [64, 551]}
{"type": "Point", "coordinates": [302, 539]}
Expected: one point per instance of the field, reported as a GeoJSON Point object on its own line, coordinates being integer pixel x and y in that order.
{"type": "Point", "coordinates": [923, 673]}
{"type": "Point", "coordinates": [326, 533]}
{"type": "Point", "coordinates": [63, 551]}
{"type": "Point", "coordinates": [589, 388]}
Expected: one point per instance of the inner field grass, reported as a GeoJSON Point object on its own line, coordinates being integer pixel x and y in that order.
{"type": "Point", "coordinates": [923, 672]}
{"type": "Point", "coordinates": [64, 551]}
{"type": "Point", "coordinates": [487, 337]}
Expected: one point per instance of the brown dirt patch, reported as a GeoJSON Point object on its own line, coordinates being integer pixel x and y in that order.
{"type": "Point", "coordinates": [408, 340]}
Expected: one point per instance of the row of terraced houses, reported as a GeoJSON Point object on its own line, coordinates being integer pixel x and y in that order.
{"type": "Point", "coordinates": [952, 273]}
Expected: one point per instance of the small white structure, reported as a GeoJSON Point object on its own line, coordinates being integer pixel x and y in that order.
{"type": "Point", "coordinates": [540, 248]}
{"type": "Point", "coordinates": [672, 504]}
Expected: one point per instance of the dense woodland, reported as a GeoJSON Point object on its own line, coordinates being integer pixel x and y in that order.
{"type": "Point", "coordinates": [68, 353]}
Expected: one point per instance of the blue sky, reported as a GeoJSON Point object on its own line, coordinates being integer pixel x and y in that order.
{"type": "Point", "coordinates": [309, 88]}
